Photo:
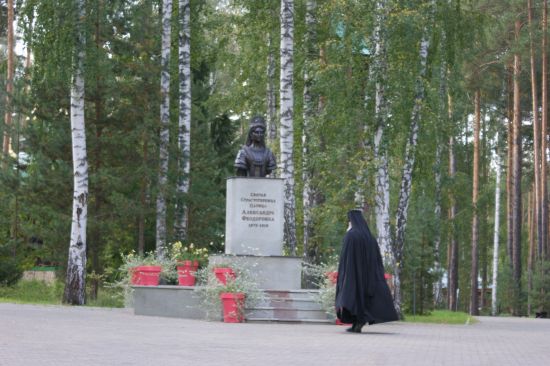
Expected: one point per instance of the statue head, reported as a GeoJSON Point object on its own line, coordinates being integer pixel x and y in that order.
{"type": "Point", "coordinates": [256, 132]}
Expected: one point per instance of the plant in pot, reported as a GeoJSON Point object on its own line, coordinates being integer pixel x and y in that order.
{"type": "Point", "coordinates": [188, 259]}
{"type": "Point", "coordinates": [229, 298]}
{"type": "Point", "coordinates": [324, 276]}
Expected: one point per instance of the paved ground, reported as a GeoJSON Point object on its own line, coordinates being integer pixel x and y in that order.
{"type": "Point", "coordinates": [56, 335]}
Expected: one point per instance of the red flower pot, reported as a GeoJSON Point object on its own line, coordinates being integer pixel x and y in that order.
{"type": "Point", "coordinates": [233, 307]}
{"type": "Point", "coordinates": [332, 277]}
{"type": "Point", "coordinates": [222, 274]}
{"type": "Point", "coordinates": [186, 272]}
{"type": "Point", "coordinates": [146, 275]}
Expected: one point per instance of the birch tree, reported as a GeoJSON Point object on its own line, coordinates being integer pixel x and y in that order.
{"type": "Point", "coordinates": [409, 159]}
{"type": "Point", "coordinates": [9, 84]}
{"type": "Point", "coordinates": [287, 120]}
{"type": "Point", "coordinates": [378, 76]}
{"type": "Point", "coordinates": [164, 126]}
{"type": "Point", "coordinates": [496, 231]}
{"type": "Point", "coordinates": [184, 135]}
{"type": "Point", "coordinates": [75, 283]}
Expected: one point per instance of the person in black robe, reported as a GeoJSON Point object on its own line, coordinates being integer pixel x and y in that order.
{"type": "Point", "coordinates": [362, 294]}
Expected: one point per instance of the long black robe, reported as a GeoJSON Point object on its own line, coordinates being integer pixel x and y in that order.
{"type": "Point", "coordinates": [362, 294]}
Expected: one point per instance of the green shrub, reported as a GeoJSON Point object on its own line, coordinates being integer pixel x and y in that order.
{"type": "Point", "coordinates": [36, 292]}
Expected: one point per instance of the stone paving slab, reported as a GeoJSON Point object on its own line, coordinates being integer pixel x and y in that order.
{"type": "Point", "coordinates": [60, 335]}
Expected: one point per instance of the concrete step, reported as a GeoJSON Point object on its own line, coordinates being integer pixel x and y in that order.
{"type": "Point", "coordinates": [289, 321]}
{"type": "Point", "coordinates": [288, 306]}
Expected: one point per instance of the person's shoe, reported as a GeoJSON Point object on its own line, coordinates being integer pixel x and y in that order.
{"type": "Point", "coordinates": [351, 329]}
{"type": "Point", "coordinates": [357, 327]}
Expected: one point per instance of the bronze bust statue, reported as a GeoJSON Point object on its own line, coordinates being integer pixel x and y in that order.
{"type": "Point", "coordinates": [254, 159]}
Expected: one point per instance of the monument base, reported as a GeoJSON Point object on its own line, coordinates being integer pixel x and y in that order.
{"type": "Point", "coordinates": [270, 272]}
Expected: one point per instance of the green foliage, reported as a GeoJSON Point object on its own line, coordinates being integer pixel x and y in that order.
{"type": "Point", "coordinates": [209, 288]}
{"type": "Point", "coordinates": [10, 270]}
{"type": "Point", "coordinates": [324, 276]}
{"type": "Point", "coordinates": [35, 292]}
{"type": "Point", "coordinates": [229, 58]}
{"type": "Point", "coordinates": [442, 317]}
{"type": "Point", "coordinates": [540, 293]}
{"type": "Point", "coordinates": [179, 252]}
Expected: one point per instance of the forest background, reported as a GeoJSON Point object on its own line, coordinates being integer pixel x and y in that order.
{"type": "Point", "coordinates": [412, 110]}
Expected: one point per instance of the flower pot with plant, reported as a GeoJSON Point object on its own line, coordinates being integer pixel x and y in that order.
{"type": "Point", "coordinates": [142, 270]}
{"type": "Point", "coordinates": [188, 260]}
{"type": "Point", "coordinates": [230, 298]}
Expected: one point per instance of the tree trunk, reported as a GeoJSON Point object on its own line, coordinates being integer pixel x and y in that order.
{"type": "Point", "coordinates": [310, 41]}
{"type": "Point", "coordinates": [410, 152]}
{"type": "Point", "coordinates": [544, 134]}
{"type": "Point", "coordinates": [531, 224]}
{"type": "Point", "coordinates": [474, 303]}
{"type": "Point", "coordinates": [516, 179]}
{"type": "Point", "coordinates": [536, 132]}
{"type": "Point", "coordinates": [287, 118]}
{"type": "Point", "coordinates": [495, 232]}
{"type": "Point", "coordinates": [9, 85]}
{"type": "Point", "coordinates": [509, 170]}
{"type": "Point", "coordinates": [452, 253]}
{"type": "Point", "coordinates": [75, 283]}
{"type": "Point", "coordinates": [184, 133]}
{"type": "Point", "coordinates": [164, 127]}
{"type": "Point", "coordinates": [378, 76]}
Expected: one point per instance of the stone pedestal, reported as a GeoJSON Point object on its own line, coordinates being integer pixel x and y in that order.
{"type": "Point", "coordinates": [254, 217]}
{"type": "Point", "coordinates": [269, 272]}
{"type": "Point", "coordinates": [254, 224]}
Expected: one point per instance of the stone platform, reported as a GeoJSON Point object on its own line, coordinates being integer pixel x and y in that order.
{"type": "Point", "coordinates": [287, 306]}
{"type": "Point", "coordinates": [270, 272]}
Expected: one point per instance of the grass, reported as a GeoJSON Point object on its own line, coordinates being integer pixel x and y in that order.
{"type": "Point", "coordinates": [441, 317]}
{"type": "Point", "coordinates": [39, 292]}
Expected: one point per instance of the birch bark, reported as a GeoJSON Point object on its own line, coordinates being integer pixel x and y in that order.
{"type": "Point", "coordinates": [410, 150]}
{"type": "Point", "coordinates": [75, 287]}
{"type": "Point", "coordinates": [378, 76]}
{"type": "Point", "coordinates": [287, 114]}
{"type": "Point", "coordinates": [184, 132]}
{"type": "Point", "coordinates": [164, 126]}
{"type": "Point", "coordinates": [496, 230]}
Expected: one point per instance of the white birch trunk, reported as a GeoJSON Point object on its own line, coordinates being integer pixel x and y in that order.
{"type": "Point", "coordinates": [75, 284]}
{"type": "Point", "coordinates": [308, 114]}
{"type": "Point", "coordinates": [495, 234]}
{"type": "Point", "coordinates": [184, 132]}
{"type": "Point", "coordinates": [410, 150]}
{"type": "Point", "coordinates": [287, 114]}
{"type": "Point", "coordinates": [164, 126]}
{"type": "Point", "coordinates": [437, 239]}
{"type": "Point", "coordinates": [382, 180]}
